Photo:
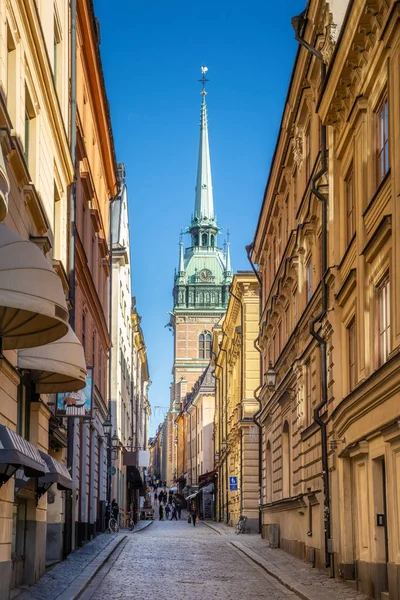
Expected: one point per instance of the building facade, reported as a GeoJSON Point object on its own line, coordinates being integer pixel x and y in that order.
{"type": "Point", "coordinates": [96, 185]}
{"type": "Point", "coordinates": [200, 294]}
{"type": "Point", "coordinates": [122, 405]}
{"type": "Point", "coordinates": [236, 365]}
{"type": "Point", "coordinates": [40, 355]}
{"type": "Point", "coordinates": [326, 248]}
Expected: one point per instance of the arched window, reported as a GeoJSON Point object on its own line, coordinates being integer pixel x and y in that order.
{"type": "Point", "coordinates": [196, 240]}
{"type": "Point", "coordinates": [205, 340]}
{"type": "Point", "coordinates": [212, 239]}
{"type": "Point", "coordinates": [204, 239]}
{"type": "Point", "coordinates": [208, 345]}
{"type": "Point", "coordinates": [286, 460]}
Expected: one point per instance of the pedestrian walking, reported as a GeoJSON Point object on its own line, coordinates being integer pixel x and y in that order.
{"type": "Point", "coordinates": [161, 512]}
{"type": "Point", "coordinates": [155, 497]}
{"type": "Point", "coordinates": [173, 513]}
{"type": "Point", "coordinates": [167, 511]}
{"type": "Point", "coordinates": [115, 509]}
{"type": "Point", "coordinates": [178, 509]}
{"type": "Point", "coordinates": [193, 514]}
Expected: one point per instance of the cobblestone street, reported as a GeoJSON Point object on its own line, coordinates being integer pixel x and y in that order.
{"type": "Point", "coordinates": [175, 560]}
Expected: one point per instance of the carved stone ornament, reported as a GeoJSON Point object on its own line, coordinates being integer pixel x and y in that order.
{"type": "Point", "coordinates": [298, 149]}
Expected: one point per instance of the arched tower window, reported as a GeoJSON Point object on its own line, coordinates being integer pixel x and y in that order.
{"type": "Point", "coordinates": [205, 341]}
{"type": "Point", "coordinates": [204, 239]}
{"type": "Point", "coordinates": [286, 460]}
{"type": "Point", "coordinates": [212, 240]}
{"type": "Point", "coordinates": [196, 239]}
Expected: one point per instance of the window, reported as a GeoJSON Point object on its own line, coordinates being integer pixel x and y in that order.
{"type": "Point", "coordinates": [204, 239]}
{"type": "Point", "coordinates": [295, 307]}
{"type": "Point", "coordinates": [382, 139]}
{"type": "Point", "coordinates": [352, 354]}
{"type": "Point", "coordinates": [309, 281]}
{"type": "Point", "coordinates": [84, 331]}
{"type": "Point", "coordinates": [196, 240]}
{"type": "Point", "coordinates": [383, 292]}
{"type": "Point", "coordinates": [280, 337]}
{"type": "Point", "coordinates": [29, 130]}
{"type": "Point", "coordinates": [56, 52]}
{"type": "Point", "coordinates": [11, 75]}
{"type": "Point", "coordinates": [83, 230]}
{"type": "Point", "coordinates": [285, 461]}
{"type": "Point", "coordinates": [307, 153]}
{"type": "Point", "coordinates": [205, 340]}
{"type": "Point", "coordinates": [287, 321]}
{"type": "Point", "coordinates": [295, 192]}
{"type": "Point", "coordinates": [57, 223]}
{"type": "Point", "coordinates": [93, 350]}
{"type": "Point", "coordinates": [350, 209]}
{"type": "Point", "coordinates": [287, 217]}
{"type": "Point", "coordinates": [212, 241]}
{"type": "Point", "coordinates": [308, 388]}
{"type": "Point", "coordinates": [269, 473]}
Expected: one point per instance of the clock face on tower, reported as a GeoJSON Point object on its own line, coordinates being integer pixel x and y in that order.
{"type": "Point", "coordinates": [205, 275]}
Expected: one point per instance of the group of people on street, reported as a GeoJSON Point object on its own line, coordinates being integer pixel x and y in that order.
{"type": "Point", "coordinates": [172, 508]}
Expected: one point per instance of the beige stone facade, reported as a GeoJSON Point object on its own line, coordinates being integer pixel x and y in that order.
{"type": "Point", "coordinates": [347, 520]}
{"type": "Point", "coordinates": [34, 119]}
{"type": "Point", "coordinates": [237, 372]}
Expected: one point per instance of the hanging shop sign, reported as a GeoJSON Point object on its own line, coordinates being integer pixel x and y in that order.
{"type": "Point", "coordinates": [79, 402]}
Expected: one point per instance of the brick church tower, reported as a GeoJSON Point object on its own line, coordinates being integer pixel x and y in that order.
{"type": "Point", "coordinates": [201, 287]}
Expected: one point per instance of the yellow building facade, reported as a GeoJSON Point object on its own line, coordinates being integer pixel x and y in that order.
{"type": "Point", "coordinates": [236, 365]}
{"type": "Point", "coordinates": [326, 247]}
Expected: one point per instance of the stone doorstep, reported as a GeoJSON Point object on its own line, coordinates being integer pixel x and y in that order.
{"type": "Point", "coordinates": [76, 588]}
{"type": "Point", "coordinates": [303, 591]}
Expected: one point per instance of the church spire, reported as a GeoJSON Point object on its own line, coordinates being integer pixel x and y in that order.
{"type": "Point", "coordinates": [204, 205]}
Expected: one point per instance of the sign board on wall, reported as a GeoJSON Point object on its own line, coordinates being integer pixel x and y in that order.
{"type": "Point", "coordinates": [143, 458]}
{"type": "Point", "coordinates": [78, 403]}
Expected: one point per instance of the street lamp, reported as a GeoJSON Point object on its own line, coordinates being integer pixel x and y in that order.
{"type": "Point", "coordinates": [107, 426]}
{"type": "Point", "coordinates": [270, 377]}
{"type": "Point", "coordinates": [114, 445]}
{"type": "Point", "coordinates": [115, 440]}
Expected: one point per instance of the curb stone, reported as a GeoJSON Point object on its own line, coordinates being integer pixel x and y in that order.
{"type": "Point", "coordinates": [303, 591]}
{"type": "Point", "coordinates": [79, 584]}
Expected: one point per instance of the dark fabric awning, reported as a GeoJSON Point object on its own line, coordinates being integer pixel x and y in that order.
{"type": "Point", "coordinates": [15, 450]}
{"type": "Point", "coordinates": [133, 477]}
{"type": "Point", "coordinates": [58, 473]}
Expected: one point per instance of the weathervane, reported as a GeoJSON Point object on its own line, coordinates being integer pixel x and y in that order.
{"type": "Point", "coordinates": [203, 80]}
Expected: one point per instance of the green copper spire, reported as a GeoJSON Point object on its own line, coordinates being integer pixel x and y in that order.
{"type": "Point", "coordinates": [204, 204]}
{"type": "Point", "coordinates": [201, 284]}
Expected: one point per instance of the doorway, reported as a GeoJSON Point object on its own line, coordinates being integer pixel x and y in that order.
{"type": "Point", "coordinates": [381, 524]}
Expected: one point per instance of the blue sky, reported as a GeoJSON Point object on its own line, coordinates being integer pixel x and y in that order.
{"type": "Point", "coordinates": [152, 53]}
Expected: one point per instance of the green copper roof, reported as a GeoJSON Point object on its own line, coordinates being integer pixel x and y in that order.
{"type": "Point", "coordinates": [204, 274]}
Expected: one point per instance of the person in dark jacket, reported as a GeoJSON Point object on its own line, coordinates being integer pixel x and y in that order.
{"type": "Point", "coordinates": [193, 514]}
{"type": "Point", "coordinates": [161, 512]}
{"type": "Point", "coordinates": [114, 509]}
{"type": "Point", "coordinates": [178, 509]}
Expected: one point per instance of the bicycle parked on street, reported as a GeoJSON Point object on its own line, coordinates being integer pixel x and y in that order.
{"type": "Point", "coordinates": [113, 525]}
{"type": "Point", "coordinates": [241, 524]}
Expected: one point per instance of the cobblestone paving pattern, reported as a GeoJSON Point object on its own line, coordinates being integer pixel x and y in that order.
{"type": "Point", "coordinates": [64, 573]}
{"type": "Point", "coordinates": [303, 572]}
{"type": "Point", "coordinates": [174, 560]}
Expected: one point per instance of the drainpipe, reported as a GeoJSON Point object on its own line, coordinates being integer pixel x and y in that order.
{"type": "Point", "coordinates": [249, 250]}
{"type": "Point", "coordinates": [298, 25]}
{"type": "Point", "coordinates": [241, 391]}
